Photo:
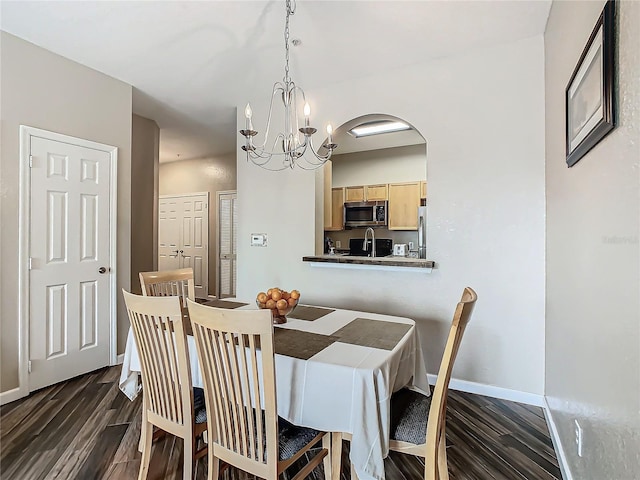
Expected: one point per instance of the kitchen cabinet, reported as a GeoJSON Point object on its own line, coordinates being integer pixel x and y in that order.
{"type": "Point", "coordinates": [423, 189]}
{"type": "Point", "coordinates": [337, 209]}
{"type": "Point", "coordinates": [404, 200]}
{"type": "Point", "coordinates": [333, 202]}
{"type": "Point", "coordinates": [328, 174]}
{"type": "Point", "coordinates": [354, 194]}
{"type": "Point", "coordinates": [376, 192]}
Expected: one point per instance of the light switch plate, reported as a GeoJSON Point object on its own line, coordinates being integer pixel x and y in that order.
{"type": "Point", "coordinates": [258, 239]}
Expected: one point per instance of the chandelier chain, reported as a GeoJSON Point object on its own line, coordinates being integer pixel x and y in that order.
{"type": "Point", "coordinates": [290, 11]}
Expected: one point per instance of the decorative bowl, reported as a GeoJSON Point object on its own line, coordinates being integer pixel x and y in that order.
{"type": "Point", "coordinates": [272, 298]}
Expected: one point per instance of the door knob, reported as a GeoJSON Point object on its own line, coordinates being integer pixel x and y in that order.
{"type": "Point", "coordinates": [102, 270]}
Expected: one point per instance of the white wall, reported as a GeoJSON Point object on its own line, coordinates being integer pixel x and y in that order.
{"type": "Point", "coordinates": [387, 165]}
{"type": "Point", "coordinates": [482, 116]}
{"type": "Point", "coordinates": [43, 90]}
{"type": "Point", "coordinates": [593, 258]}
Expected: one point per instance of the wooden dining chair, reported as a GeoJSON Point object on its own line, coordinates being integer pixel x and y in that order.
{"type": "Point", "coordinates": [236, 355]}
{"type": "Point", "coordinates": [168, 396]}
{"type": "Point", "coordinates": [179, 283]}
{"type": "Point", "coordinates": [418, 422]}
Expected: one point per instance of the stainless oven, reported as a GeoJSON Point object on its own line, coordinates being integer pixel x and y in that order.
{"type": "Point", "coordinates": [365, 214]}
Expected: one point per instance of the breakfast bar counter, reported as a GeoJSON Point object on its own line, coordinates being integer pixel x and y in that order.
{"type": "Point", "coordinates": [391, 261]}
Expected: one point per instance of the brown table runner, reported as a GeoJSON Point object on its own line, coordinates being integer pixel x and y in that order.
{"type": "Point", "coordinates": [304, 312]}
{"type": "Point", "coordinates": [299, 344]}
{"type": "Point", "coordinates": [224, 304]}
{"type": "Point", "coordinates": [372, 333]}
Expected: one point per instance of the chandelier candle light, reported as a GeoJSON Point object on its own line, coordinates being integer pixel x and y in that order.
{"type": "Point", "coordinates": [292, 143]}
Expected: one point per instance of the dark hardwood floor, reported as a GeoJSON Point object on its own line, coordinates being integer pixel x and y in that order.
{"type": "Point", "coordinates": [86, 428]}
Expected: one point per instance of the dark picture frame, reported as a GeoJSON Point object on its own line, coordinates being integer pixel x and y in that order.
{"type": "Point", "coordinates": [589, 97]}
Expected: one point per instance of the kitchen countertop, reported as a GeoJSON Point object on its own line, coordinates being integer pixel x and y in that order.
{"type": "Point", "coordinates": [389, 261]}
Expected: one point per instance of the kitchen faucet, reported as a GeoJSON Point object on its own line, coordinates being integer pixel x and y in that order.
{"type": "Point", "coordinates": [373, 241]}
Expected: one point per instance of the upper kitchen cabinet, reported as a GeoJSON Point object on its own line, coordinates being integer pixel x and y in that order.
{"type": "Point", "coordinates": [366, 193]}
{"type": "Point", "coordinates": [333, 201]}
{"type": "Point", "coordinates": [423, 190]}
{"type": "Point", "coordinates": [354, 194]}
{"type": "Point", "coordinates": [337, 209]}
{"type": "Point", "coordinates": [327, 194]}
{"type": "Point", "coordinates": [404, 200]}
{"type": "Point", "coordinates": [376, 192]}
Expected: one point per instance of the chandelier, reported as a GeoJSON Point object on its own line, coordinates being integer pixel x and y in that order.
{"type": "Point", "coordinates": [290, 145]}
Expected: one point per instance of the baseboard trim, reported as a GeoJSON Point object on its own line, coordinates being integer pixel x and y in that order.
{"type": "Point", "coordinates": [492, 391]}
{"type": "Point", "coordinates": [557, 444]}
{"type": "Point", "coordinates": [11, 395]}
{"type": "Point", "coordinates": [120, 359]}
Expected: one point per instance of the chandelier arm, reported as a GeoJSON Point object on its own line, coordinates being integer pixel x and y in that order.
{"type": "Point", "coordinates": [277, 88]}
{"type": "Point", "coordinates": [264, 164]}
{"type": "Point", "coordinates": [322, 158]}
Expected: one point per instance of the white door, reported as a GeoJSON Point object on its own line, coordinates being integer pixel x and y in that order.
{"type": "Point", "coordinates": [183, 236]}
{"type": "Point", "coordinates": [168, 234]}
{"type": "Point", "coordinates": [69, 284]}
{"type": "Point", "coordinates": [227, 240]}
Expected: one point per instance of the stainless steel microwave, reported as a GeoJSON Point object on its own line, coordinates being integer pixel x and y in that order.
{"type": "Point", "coordinates": [365, 214]}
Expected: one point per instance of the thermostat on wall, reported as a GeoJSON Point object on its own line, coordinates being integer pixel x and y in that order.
{"type": "Point", "coordinates": [258, 239]}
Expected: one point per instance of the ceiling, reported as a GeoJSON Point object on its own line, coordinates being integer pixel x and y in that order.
{"type": "Point", "coordinates": [192, 62]}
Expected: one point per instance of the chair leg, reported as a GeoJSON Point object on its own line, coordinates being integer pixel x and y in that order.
{"type": "Point", "coordinates": [146, 433]}
{"type": "Point", "coordinates": [336, 454]}
{"type": "Point", "coordinates": [188, 461]}
{"type": "Point", "coordinates": [214, 468]}
{"type": "Point", "coordinates": [142, 427]}
{"type": "Point", "coordinates": [354, 475]}
{"type": "Point", "coordinates": [443, 468]}
{"type": "Point", "coordinates": [327, 461]}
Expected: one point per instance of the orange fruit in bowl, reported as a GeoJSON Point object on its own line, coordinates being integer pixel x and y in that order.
{"type": "Point", "coordinates": [295, 294]}
{"type": "Point", "coordinates": [281, 304]}
{"type": "Point", "coordinates": [262, 297]}
{"type": "Point", "coordinates": [292, 302]}
{"type": "Point", "coordinates": [276, 295]}
{"type": "Point", "coordinates": [271, 304]}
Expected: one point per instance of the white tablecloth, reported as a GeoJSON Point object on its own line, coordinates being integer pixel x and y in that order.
{"type": "Point", "coordinates": [343, 388]}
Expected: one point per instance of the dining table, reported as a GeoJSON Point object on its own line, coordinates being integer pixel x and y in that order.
{"type": "Point", "coordinates": [336, 370]}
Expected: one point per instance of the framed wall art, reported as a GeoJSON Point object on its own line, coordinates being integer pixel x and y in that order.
{"type": "Point", "coordinates": [590, 95]}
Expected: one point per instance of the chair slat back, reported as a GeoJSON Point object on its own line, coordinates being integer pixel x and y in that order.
{"type": "Point", "coordinates": [437, 412]}
{"type": "Point", "coordinates": [236, 354]}
{"type": "Point", "coordinates": [175, 283]}
{"type": "Point", "coordinates": [160, 338]}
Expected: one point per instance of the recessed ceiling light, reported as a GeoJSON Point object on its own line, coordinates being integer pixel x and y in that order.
{"type": "Point", "coordinates": [376, 128]}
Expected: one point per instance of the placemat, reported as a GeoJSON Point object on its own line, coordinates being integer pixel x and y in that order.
{"type": "Point", "coordinates": [303, 312]}
{"type": "Point", "coordinates": [299, 344]}
{"type": "Point", "coordinates": [372, 333]}
{"type": "Point", "coordinates": [224, 303]}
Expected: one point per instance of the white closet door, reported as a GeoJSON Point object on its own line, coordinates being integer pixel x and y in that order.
{"type": "Point", "coordinates": [183, 236]}
{"type": "Point", "coordinates": [195, 234]}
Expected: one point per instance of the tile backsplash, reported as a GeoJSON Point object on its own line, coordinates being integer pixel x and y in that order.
{"type": "Point", "coordinates": [397, 236]}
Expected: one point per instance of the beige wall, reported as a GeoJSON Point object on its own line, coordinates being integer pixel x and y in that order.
{"type": "Point", "coordinates": [43, 90]}
{"type": "Point", "coordinates": [145, 146]}
{"type": "Point", "coordinates": [202, 175]}
{"type": "Point", "coordinates": [482, 115]}
{"type": "Point", "coordinates": [593, 258]}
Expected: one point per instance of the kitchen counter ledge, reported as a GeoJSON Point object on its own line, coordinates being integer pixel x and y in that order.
{"type": "Point", "coordinates": [379, 262]}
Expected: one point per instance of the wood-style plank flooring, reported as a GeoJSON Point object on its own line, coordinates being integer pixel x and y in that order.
{"type": "Point", "coordinates": [86, 428]}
